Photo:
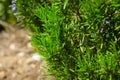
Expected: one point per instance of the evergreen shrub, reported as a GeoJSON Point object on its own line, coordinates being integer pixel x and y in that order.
{"type": "Point", "coordinates": [79, 39]}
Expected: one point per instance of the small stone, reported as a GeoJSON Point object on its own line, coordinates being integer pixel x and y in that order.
{"type": "Point", "coordinates": [14, 74]}
{"type": "Point", "coordinates": [36, 57]}
{"type": "Point", "coordinates": [12, 46]}
{"type": "Point", "coordinates": [2, 74]}
{"type": "Point", "coordinates": [21, 54]}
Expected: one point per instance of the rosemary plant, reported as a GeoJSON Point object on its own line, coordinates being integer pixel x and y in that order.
{"type": "Point", "coordinates": [80, 39]}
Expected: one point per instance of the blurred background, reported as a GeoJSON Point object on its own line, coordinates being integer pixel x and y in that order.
{"type": "Point", "coordinates": [6, 14]}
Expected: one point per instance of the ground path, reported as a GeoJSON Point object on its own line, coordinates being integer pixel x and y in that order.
{"type": "Point", "coordinates": [16, 62]}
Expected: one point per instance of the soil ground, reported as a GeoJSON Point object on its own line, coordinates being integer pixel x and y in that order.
{"type": "Point", "coordinates": [16, 62]}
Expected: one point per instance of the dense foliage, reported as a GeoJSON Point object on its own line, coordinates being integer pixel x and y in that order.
{"type": "Point", "coordinates": [80, 39]}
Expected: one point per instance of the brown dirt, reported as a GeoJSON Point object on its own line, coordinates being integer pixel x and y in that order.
{"type": "Point", "coordinates": [16, 62]}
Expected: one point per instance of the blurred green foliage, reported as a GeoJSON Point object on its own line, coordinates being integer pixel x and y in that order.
{"type": "Point", "coordinates": [80, 39]}
{"type": "Point", "coordinates": [6, 13]}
